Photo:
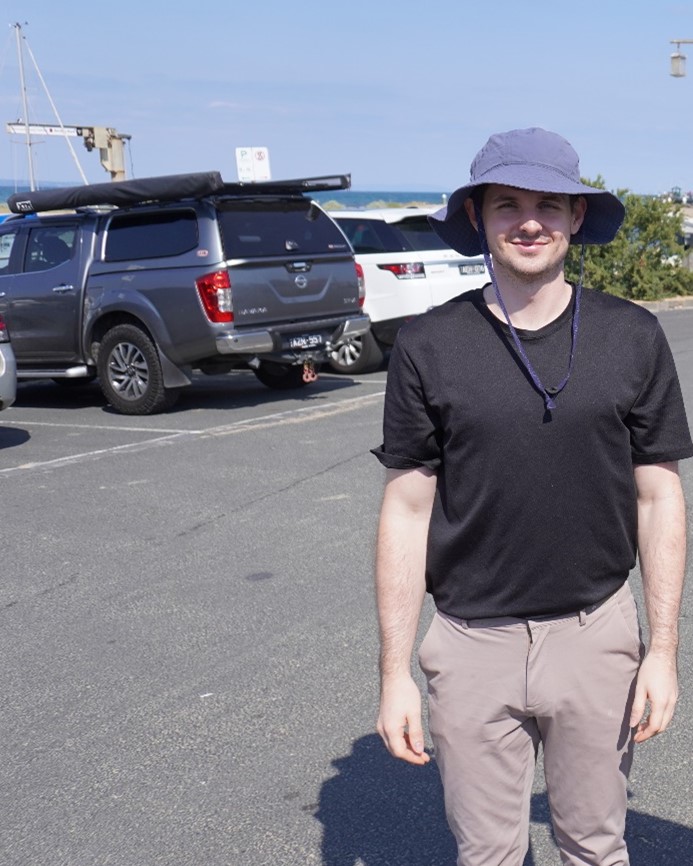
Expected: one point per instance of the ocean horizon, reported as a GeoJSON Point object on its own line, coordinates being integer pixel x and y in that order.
{"type": "Point", "coordinates": [353, 198]}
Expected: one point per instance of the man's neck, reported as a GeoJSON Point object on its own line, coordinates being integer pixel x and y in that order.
{"type": "Point", "coordinates": [530, 306]}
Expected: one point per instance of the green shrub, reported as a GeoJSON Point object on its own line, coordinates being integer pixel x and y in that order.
{"type": "Point", "coordinates": [645, 261]}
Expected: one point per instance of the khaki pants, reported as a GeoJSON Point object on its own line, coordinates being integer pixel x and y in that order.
{"type": "Point", "coordinates": [498, 688]}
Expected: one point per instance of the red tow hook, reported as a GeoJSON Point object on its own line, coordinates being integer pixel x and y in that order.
{"type": "Point", "coordinates": [310, 374]}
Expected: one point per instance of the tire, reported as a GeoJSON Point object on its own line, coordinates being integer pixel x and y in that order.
{"type": "Point", "coordinates": [281, 377]}
{"type": "Point", "coordinates": [130, 372]}
{"type": "Point", "coordinates": [357, 355]}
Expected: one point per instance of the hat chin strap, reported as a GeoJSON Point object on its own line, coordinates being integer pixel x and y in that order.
{"type": "Point", "coordinates": [547, 393]}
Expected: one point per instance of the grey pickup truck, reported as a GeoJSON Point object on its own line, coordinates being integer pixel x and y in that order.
{"type": "Point", "coordinates": [141, 282]}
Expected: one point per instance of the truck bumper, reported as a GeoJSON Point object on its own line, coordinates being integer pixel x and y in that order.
{"type": "Point", "coordinates": [354, 327]}
{"type": "Point", "coordinates": [268, 342]}
{"type": "Point", "coordinates": [250, 343]}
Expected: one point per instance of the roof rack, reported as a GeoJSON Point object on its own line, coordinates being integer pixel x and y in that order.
{"type": "Point", "coordinates": [325, 183]}
{"type": "Point", "coordinates": [172, 187]}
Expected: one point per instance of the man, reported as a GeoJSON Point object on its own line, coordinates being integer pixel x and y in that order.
{"type": "Point", "coordinates": [531, 437]}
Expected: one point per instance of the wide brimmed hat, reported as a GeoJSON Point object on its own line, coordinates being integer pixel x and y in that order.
{"type": "Point", "coordinates": [531, 159]}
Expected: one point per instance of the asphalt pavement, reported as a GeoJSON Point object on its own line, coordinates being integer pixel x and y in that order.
{"type": "Point", "coordinates": [188, 640]}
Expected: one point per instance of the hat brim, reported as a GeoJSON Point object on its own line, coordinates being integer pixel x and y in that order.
{"type": "Point", "coordinates": [603, 218]}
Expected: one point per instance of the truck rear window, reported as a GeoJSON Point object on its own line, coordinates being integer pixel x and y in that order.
{"type": "Point", "coordinates": [275, 228]}
{"type": "Point", "coordinates": [151, 235]}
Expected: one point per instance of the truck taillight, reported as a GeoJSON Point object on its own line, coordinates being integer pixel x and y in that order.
{"type": "Point", "coordinates": [362, 284]}
{"type": "Point", "coordinates": [215, 293]}
{"type": "Point", "coordinates": [4, 333]}
{"type": "Point", "coordinates": [406, 270]}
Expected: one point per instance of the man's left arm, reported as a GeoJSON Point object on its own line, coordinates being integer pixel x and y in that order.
{"type": "Point", "coordinates": [662, 555]}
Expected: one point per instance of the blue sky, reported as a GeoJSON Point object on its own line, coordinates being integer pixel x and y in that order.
{"type": "Point", "coordinates": [399, 93]}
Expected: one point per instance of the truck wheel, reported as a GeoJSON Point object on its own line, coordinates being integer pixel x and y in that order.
{"type": "Point", "coordinates": [130, 373]}
{"type": "Point", "coordinates": [357, 355]}
{"type": "Point", "coordinates": [281, 377]}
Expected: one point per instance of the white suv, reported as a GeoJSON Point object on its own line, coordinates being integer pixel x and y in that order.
{"type": "Point", "coordinates": [407, 269]}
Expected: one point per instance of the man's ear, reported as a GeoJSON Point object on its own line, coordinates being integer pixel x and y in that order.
{"type": "Point", "coordinates": [471, 213]}
{"type": "Point", "coordinates": [579, 211]}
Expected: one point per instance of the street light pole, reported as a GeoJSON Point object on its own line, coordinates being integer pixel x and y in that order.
{"type": "Point", "coordinates": [678, 60]}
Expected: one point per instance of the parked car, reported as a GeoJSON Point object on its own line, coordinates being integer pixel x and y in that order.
{"type": "Point", "coordinates": [141, 282]}
{"type": "Point", "coordinates": [407, 269]}
{"type": "Point", "coordinates": [8, 367]}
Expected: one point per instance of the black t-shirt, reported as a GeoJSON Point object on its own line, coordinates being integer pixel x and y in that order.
{"type": "Point", "coordinates": [535, 512]}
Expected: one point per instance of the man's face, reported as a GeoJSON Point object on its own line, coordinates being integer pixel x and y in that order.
{"type": "Point", "coordinates": [528, 233]}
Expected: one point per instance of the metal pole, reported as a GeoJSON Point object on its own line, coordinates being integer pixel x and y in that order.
{"type": "Point", "coordinates": [55, 112]}
{"type": "Point", "coordinates": [20, 57]}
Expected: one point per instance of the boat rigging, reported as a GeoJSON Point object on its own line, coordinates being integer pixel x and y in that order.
{"type": "Point", "coordinates": [109, 142]}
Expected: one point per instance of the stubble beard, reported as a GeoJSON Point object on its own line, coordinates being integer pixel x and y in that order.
{"type": "Point", "coordinates": [527, 272]}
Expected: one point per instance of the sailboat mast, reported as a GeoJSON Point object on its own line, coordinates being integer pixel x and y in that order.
{"type": "Point", "coordinates": [20, 58]}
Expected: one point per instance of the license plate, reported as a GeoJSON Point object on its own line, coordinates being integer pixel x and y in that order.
{"type": "Point", "coordinates": [305, 341]}
{"type": "Point", "coordinates": [472, 270]}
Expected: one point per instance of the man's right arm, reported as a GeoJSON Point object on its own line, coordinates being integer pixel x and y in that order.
{"type": "Point", "coordinates": [400, 589]}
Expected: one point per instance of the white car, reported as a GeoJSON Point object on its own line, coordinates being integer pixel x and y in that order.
{"type": "Point", "coordinates": [407, 269]}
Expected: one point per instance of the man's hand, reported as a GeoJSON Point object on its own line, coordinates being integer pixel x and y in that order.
{"type": "Point", "coordinates": [400, 584]}
{"type": "Point", "coordinates": [657, 684]}
{"type": "Point", "coordinates": [662, 556]}
{"type": "Point", "coordinates": [399, 722]}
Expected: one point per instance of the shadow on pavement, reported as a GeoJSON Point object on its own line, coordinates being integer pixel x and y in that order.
{"type": "Point", "coordinates": [381, 812]}
{"type": "Point", "coordinates": [242, 390]}
{"type": "Point", "coordinates": [11, 437]}
{"type": "Point", "coordinates": [232, 391]}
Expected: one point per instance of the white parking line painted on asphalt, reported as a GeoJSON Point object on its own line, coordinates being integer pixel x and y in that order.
{"type": "Point", "coordinates": [290, 416]}
{"type": "Point", "coordinates": [88, 455]}
{"type": "Point", "coordinates": [167, 430]}
{"type": "Point", "coordinates": [381, 382]}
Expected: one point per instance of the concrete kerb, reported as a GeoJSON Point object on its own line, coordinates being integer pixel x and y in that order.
{"type": "Point", "coordinates": [677, 303]}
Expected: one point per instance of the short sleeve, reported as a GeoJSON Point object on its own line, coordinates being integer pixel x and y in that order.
{"type": "Point", "coordinates": [411, 427]}
{"type": "Point", "coordinates": [659, 431]}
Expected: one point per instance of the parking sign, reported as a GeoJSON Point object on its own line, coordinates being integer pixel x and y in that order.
{"type": "Point", "coordinates": [252, 163]}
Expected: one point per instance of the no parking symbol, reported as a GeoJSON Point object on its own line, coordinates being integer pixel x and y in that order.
{"type": "Point", "coordinates": [253, 164]}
